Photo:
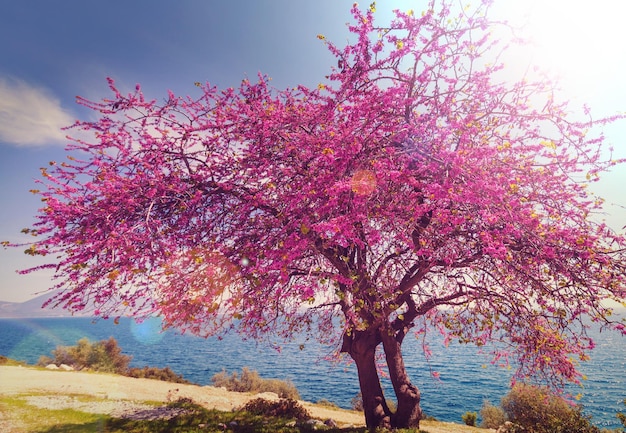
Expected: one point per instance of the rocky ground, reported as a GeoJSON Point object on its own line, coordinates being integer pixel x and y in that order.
{"type": "Point", "coordinates": [126, 397]}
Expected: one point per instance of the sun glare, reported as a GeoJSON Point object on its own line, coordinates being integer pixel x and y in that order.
{"type": "Point", "coordinates": [580, 41]}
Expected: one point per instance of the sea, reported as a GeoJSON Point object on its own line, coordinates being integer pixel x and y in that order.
{"type": "Point", "coordinates": [454, 380]}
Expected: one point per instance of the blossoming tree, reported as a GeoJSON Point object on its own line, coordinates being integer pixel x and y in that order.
{"type": "Point", "coordinates": [415, 190]}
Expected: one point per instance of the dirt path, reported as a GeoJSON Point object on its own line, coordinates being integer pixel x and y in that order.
{"type": "Point", "coordinates": [132, 391]}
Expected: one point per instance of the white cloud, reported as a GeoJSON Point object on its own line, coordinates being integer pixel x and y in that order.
{"type": "Point", "coordinates": [30, 116]}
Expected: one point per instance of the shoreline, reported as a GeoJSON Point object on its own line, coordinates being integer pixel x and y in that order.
{"type": "Point", "coordinates": [18, 380]}
{"type": "Point", "coordinates": [26, 381]}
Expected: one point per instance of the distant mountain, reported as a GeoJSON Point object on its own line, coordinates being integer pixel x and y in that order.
{"type": "Point", "coordinates": [33, 308]}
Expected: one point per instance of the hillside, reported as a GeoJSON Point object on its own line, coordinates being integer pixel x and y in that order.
{"type": "Point", "coordinates": [33, 308]}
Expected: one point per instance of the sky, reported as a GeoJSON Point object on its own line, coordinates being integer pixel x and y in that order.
{"type": "Point", "coordinates": [53, 51]}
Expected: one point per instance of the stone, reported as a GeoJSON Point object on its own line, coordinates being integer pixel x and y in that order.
{"type": "Point", "coordinates": [507, 427]}
{"type": "Point", "coordinates": [272, 396]}
{"type": "Point", "coordinates": [330, 423]}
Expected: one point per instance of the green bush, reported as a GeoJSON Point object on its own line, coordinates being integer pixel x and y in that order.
{"type": "Point", "coordinates": [282, 408]}
{"type": "Point", "coordinates": [536, 410]}
{"type": "Point", "coordinates": [469, 418]}
{"type": "Point", "coordinates": [491, 416]}
{"type": "Point", "coordinates": [164, 374]}
{"type": "Point", "coordinates": [105, 356]}
{"type": "Point", "coordinates": [250, 381]}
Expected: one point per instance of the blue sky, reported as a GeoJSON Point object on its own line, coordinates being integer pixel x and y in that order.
{"type": "Point", "coordinates": [53, 51]}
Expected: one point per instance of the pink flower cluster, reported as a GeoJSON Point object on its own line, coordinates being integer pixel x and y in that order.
{"type": "Point", "coordinates": [412, 185]}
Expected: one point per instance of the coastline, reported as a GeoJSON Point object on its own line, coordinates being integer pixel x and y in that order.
{"type": "Point", "coordinates": [21, 382]}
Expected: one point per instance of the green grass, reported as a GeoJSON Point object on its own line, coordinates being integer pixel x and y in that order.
{"type": "Point", "coordinates": [11, 362]}
{"type": "Point", "coordinates": [26, 418]}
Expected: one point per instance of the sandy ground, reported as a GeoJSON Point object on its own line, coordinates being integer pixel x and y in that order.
{"type": "Point", "coordinates": [124, 395]}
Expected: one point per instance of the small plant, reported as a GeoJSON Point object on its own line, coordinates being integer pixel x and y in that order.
{"type": "Point", "coordinates": [164, 374]}
{"type": "Point", "coordinates": [184, 403]}
{"type": "Point", "coordinates": [356, 403]}
{"type": "Point", "coordinates": [327, 403]}
{"type": "Point", "coordinates": [536, 410]}
{"type": "Point", "coordinates": [469, 418]}
{"type": "Point", "coordinates": [8, 361]}
{"type": "Point", "coordinates": [622, 418]}
{"type": "Point", "coordinates": [105, 356]}
{"type": "Point", "coordinates": [491, 416]}
{"type": "Point", "coordinates": [250, 381]}
{"type": "Point", "coordinates": [282, 408]}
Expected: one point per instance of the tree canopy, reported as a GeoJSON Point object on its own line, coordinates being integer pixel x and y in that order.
{"type": "Point", "coordinates": [416, 188]}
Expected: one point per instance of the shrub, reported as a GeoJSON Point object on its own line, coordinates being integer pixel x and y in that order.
{"type": "Point", "coordinates": [491, 416]}
{"type": "Point", "coordinates": [622, 417]}
{"type": "Point", "coordinates": [282, 408]}
{"type": "Point", "coordinates": [164, 374]}
{"type": "Point", "coordinates": [250, 381]}
{"type": "Point", "coordinates": [356, 403]}
{"type": "Point", "coordinates": [327, 403]}
{"type": "Point", "coordinates": [183, 403]}
{"type": "Point", "coordinates": [9, 361]}
{"type": "Point", "coordinates": [536, 410]}
{"type": "Point", "coordinates": [105, 356]}
{"type": "Point", "coordinates": [469, 418]}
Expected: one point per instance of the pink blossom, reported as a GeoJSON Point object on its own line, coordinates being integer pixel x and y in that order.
{"type": "Point", "coordinates": [412, 187]}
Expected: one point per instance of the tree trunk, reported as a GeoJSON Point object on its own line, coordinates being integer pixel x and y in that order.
{"type": "Point", "coordinates": [361, 346]}
{"type": "Point", "coordinates": [408, 413]}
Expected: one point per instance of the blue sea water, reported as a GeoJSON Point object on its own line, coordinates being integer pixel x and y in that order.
{"type": "Point", "coordinates": [465, 380]}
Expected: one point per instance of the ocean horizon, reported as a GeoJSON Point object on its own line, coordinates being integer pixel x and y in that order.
{"type": "Point", "coordinates": [464, 378]}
